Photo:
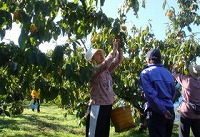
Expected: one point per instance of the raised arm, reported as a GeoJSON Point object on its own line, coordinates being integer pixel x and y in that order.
{"type": "Point", "coordinates": [108, 60]}
{"type": "Point", "coordinates": [118, 59]}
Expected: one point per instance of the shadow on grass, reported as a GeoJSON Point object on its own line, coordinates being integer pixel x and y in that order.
{"type": "Point", "coordinates": [136, 133]}
{"type": "Point", "coordinates": [50, 122]}
{"type": "Point", "coordinates": [48, 126]}
{"type": "Point", "coordinates": [43, 125]}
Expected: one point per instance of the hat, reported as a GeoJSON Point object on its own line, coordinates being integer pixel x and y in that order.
{"type": "Point", "coordinates": [194, 71]}
{"type": "Point", "coordinates": [153, 54]}
{"type": "Point", "coordinates": [90, 53]}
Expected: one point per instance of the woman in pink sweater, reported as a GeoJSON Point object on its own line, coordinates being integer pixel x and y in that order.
{"type": "Point", "coordinates": [102, 95]}
{"type": "Point", "coordinates": [191, 96]}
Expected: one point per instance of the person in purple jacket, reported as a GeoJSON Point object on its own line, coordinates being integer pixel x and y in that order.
{"type": "Point", "coordinates": [102, 95]}
{"type": "Point", "coordinates": [158, 86]}
{"type": "Point", "coordinates": [191, 95]}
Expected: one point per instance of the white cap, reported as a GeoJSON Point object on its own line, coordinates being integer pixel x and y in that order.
{"type": "Point", "coordinates": [90, 53]}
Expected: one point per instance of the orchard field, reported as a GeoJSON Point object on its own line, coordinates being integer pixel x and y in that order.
{"type": "Point", "coordinates": [51, 121]}
{"type": "Point", "coordinates": [63, 74]}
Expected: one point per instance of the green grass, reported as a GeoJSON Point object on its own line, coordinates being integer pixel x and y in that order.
{"type": "Point", "coordinates": [51, 122]}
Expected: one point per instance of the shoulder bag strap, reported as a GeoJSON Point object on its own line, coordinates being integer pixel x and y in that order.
{"type": "Point", "coordinates": [190, 104]}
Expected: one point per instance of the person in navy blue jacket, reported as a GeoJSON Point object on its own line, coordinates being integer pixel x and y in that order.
{"type": "Point", "coordinates": [158, 86]}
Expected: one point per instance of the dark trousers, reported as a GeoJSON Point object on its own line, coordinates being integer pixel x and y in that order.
{"type": "Point", "coordinates": [159, 126]}
{"type": "Point", "coordinates": [186, 123]}
{"type": "Point", "coordinates": [36, 101]}
{"type": "Point", "coordinates": [98, 121]}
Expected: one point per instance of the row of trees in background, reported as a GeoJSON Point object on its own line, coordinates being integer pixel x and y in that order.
{"type": "Point", "coordinates": [63, 74]}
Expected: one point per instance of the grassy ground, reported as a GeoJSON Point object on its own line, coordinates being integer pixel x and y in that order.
{"type": "Point", "coordinates": [51, 122]}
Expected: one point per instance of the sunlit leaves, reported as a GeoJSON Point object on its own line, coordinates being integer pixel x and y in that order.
{"type": "Point", "coordinates": [188, 14]}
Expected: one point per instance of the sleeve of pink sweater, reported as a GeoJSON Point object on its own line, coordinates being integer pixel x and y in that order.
{"type": "Point", "coordinates": [117, 61]}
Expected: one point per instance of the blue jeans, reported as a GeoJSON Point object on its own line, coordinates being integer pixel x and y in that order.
{"type": "Point", "coordinates": [186, 123]}
{"type": "Point", "coordinates": [159, 126]}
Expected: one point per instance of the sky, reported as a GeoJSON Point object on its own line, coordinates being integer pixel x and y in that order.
{"type": "Point", "coordinates": [153, 11]}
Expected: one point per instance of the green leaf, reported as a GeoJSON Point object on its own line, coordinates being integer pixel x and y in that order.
{"type": "Point", "coordinates": [22, 40]}
{"type": "Point", "coordinates": [24, 18]}
{"type": "Point", "coordinates": [3, 85]}
{"type": "Point", "coordinates": [164, 4]}
{"type": "Point", "coordinates": [46, 9]}
{"type": "Point", "coordinates": [72, 19]}
{"type": "Point", "coordinates": [53, 93]}
{"type": "Point", "coordinates": [91, 2]}
{"type": "Point", "coordinates": [65, 96]}
{"type": "Point", "coordinates": [102, 2]}
{"type": "Point", "coordinates": [13, 66]}
{"type": "Point", "coordinates": [38, 6]}
{"type": "Point", "coordinates": [135, 5]}
{"type": "Point", "coordinates": [1, 111]}
{"type": "Point", "coordinates": [143, 3]}
{"type": "Point", "coordinates": [31, 57]}
{"type": "Point", "coordinates": [57, 56]}
{"type": "Point", "coordinates": [189, 28]}
{"type": "Point", "coordinates": [5, 19]}
{"type": "Point", "coordinates": [41, 59]}
{"type": "Point", "coordinates": [74, 45]}
{"type": "Point", "coordinates": [2, 33]}
{"type": "Point", "coordinates": [7, 113]}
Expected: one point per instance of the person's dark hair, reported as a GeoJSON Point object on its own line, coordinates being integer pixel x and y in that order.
{"type": "Point", "coordinates": [156, 61]}
{"type": "Point", "coordinates": [154, 55]}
